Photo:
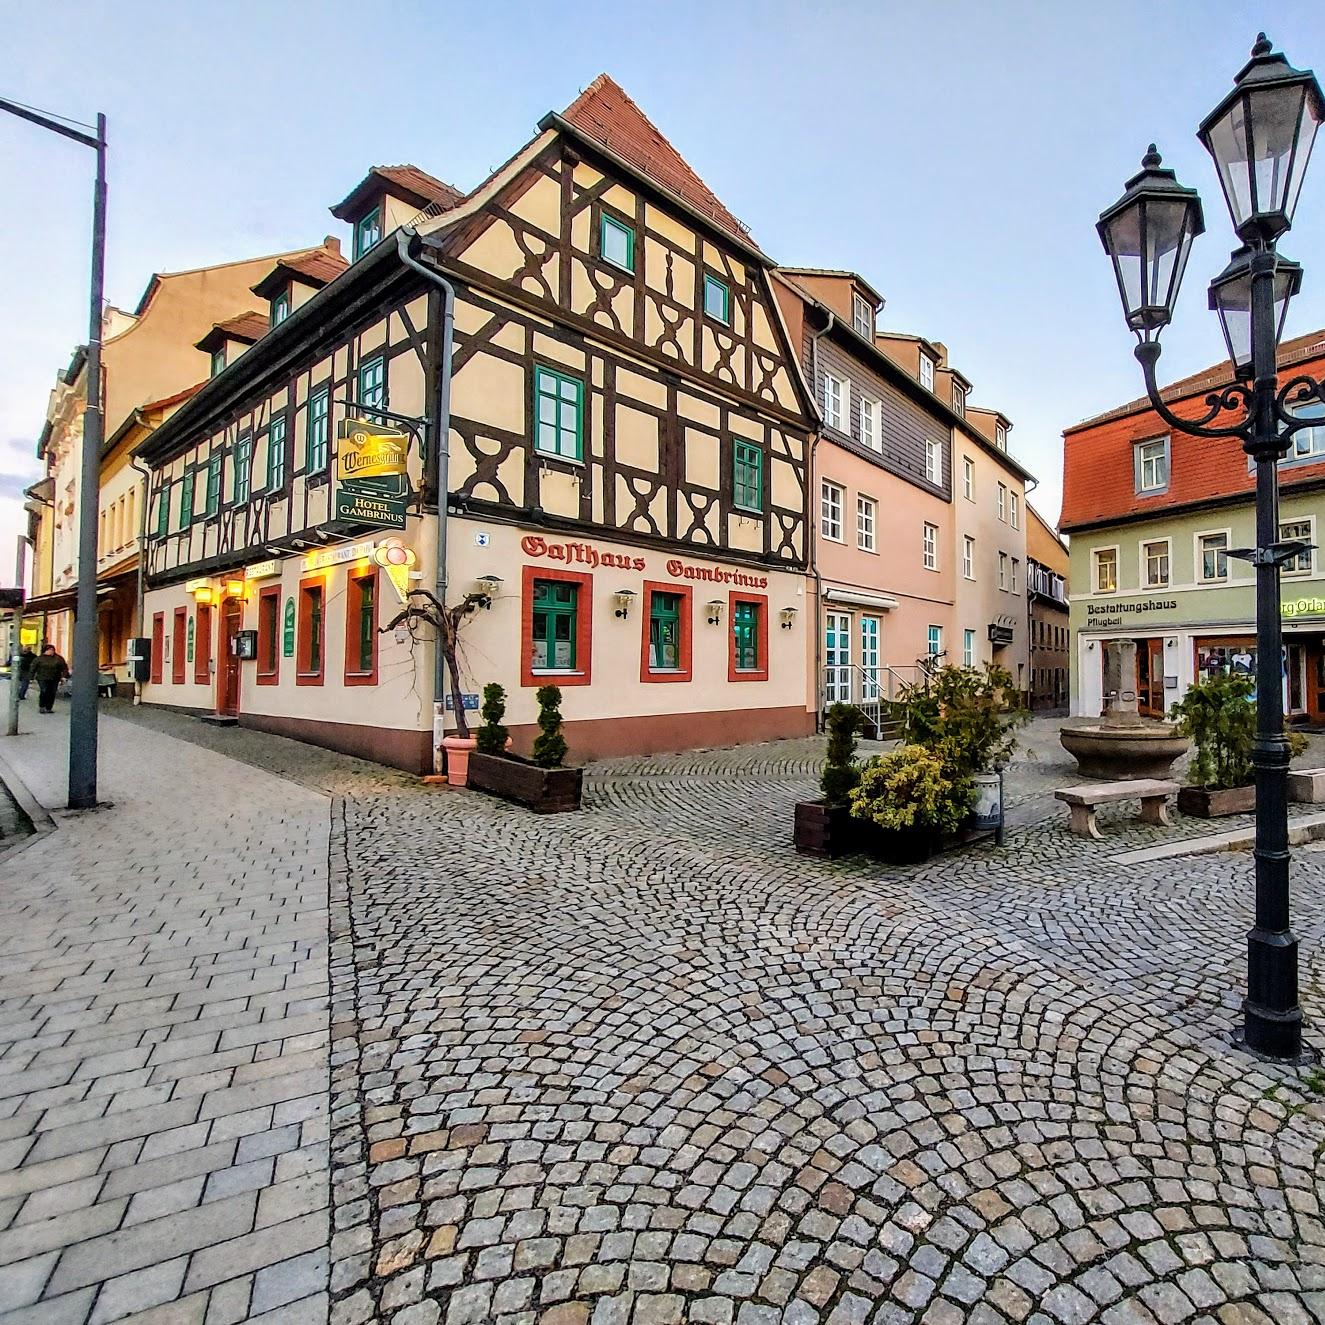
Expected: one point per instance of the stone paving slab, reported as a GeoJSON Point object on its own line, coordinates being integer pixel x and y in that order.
{"type": "Point", "coordinates": [164, 1041]}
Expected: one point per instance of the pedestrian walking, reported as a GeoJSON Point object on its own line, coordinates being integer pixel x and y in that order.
{"type": "Point", "coordinates": [48, 671]}
{"type": "Point", "coordinates": [27, 655]}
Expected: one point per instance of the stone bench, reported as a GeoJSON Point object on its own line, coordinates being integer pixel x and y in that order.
{"type": "Point", "coordinates": [1084, 800]}
{"type": "Point", "coordinates": [1306, 786]}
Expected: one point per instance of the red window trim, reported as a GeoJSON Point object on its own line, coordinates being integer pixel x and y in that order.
{"type": "Point", "coordinates": [302, 675]}
{"type": "Point", "coordinates": [687, 618]}
{"type": "Point", "coordinates": [271, 592]}
{"type": "Point", "coordinates": [158, 647]}
{"type": "Point", "coordinates": [179, 636]}
{"type": "Point", "coordinates": [759, 673]}
{"type": "Point", "coordinates": [202, 645]}
{"type": "Point", "coordinates": [583, 674]}
{"type": "Point", "coordinates": [353, 677]}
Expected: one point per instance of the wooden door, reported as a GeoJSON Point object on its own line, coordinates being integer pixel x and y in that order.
{"type": "Point", "coordinates": [1150, 678]}
{"type": "Point", "coordinates": [227, 690]}
{"type": "Point", "coordinates": [1315, 669]}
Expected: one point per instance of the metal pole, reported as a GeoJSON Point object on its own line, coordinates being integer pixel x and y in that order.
{"type": "Point", "coordinates": [16, 643]}
{"type": "Point", "coordinates": [83, 711]}
{"type": "Point", "coordinates": [1272, 1017]}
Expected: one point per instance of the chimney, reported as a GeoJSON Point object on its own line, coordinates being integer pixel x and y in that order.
{"type": "Point", "coordinates": [332, 243]}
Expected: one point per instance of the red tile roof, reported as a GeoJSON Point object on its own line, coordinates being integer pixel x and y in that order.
{"type": "Point", "coordinates": [315, 266]}
{"type": "Point", "coordinates": [407, 181]}
{"type": "Point", "coordinates": [1099, 482]}
{"type": "Point", "coordinates": [248, 327]}
{"type": "Point", "coordinates": [606, 114]}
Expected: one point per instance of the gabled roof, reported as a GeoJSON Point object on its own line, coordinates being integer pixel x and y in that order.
{"type": "Point", "coordinates": [315, 266]}
{"type": "Point", "coordinates": [604, 113]}
{"type": "Point", "coordinates": [833, 273]}
{"type": "Point", "coordinates": [246, 328]}
{"type": "Point", "coordinates": [415, 186]}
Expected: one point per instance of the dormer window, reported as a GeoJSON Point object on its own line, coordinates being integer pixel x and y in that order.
{"type": "Point", "coordinates": [1000, 437]}
{"type": "Point", "coordinates": [367, 231]}
{"type": "Point", "coordinates": [218, 360]}
{"type": "Point", "coordinates": [959, 399]}
{"type": "Point", "coordinates": [926, 372]}
{"type": "Point", "coordinates": [280, 308]}
{"type": "Point", "coordinates": [862, 316]}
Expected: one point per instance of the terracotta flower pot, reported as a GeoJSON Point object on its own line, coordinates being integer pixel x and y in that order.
{"type": "Point", "coordinates": [458, 749]}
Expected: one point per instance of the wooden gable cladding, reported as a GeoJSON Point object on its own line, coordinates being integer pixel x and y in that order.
{"type": "Point", "coordinates": [540, 239]}
{"type": "Point", "coordinates": [658, 450]}
{"type": "Point", "coordinates": [300, 500]}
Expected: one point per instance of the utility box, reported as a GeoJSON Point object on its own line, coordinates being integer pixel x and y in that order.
{"type": "Point", "coordinates": [246, 644]}
{"type": "Point", "coordinates": [140, 659]}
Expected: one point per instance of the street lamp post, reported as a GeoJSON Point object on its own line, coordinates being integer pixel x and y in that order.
{"type": "Point", "coordinates": [1260, 137]}
{"type": "Point", "coordinates": [83, 709]}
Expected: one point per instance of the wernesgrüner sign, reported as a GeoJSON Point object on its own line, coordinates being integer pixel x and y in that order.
{"type": "Point", "coordinates": [371, 471]}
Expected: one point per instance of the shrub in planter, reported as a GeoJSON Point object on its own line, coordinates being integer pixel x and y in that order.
{"type": "Point", "coordinates": [492, 736]}
{"type": "Point", "coordinates": [550, 745]}
{"type": "Point", "coordinates": [541, 783]}
{"type": "Point", "coordinates": [968, 716]}
{"type": "Point", "coordinates": [911, 801]}
{"type": "Point", "coordinates": [825, 827]}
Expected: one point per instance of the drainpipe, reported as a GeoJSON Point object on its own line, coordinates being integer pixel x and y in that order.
{"type": "Point", "coordinates": [405, 238]}
{"type": "Point", "coordinates": [811, 528]}
{"type": "Point", "coordinates": [142, 558]}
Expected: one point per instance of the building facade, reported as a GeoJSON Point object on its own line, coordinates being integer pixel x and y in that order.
{"type": "Point", "coordinates": [627, 468]}
{"type": "Point", "coordinates": [1047, 571]}
{"type": "Point", "coordinates": [1154, 517]}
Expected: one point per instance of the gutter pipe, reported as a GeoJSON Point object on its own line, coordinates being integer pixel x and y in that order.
{"type": "Point", "coordinates": [811, 526]}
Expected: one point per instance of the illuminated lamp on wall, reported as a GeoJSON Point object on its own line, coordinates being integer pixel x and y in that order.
{"type": "Point", "coordinates": [622, 599]}
{"type": "Point", "coordinates": [200, 589]}
{"type": "Point", "coordinates": [234, 588]}
{"type": "Point", "coordinates": [714, 606]}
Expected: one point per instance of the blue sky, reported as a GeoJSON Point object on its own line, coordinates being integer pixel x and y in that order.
{"type": "Point", "coordinates": [956, 154]}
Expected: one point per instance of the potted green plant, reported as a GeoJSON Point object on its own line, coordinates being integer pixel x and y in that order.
{"type": "Point", "coordinates": [911, 803]}
{"type": "Point", "coordinates": [824, 827]}
{"type": "Point", "coordinates": [540, 783]}
{"type": "Point", "coordinates": [1218, 714]}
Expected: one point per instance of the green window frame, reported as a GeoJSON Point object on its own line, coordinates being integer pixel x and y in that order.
{"type": "Point", "coordinates": [717, 300]}
{"type": "Point", "coordinates": [315, 431]}
{"type": "Point", "coordinates": [218, 360]}
{"type": "Point", "coordinates": [665, 628]}
{"type": "Point", "coordinates": [745, 628]}
{"type": "Point", "coordinates": [558, 414]}
{"type": "Point", "coordinates": [315, 606]}
{"type": "Point", "coordinates": [212, 501]}
{"type": "Point", "coordinates": [747, 477]}
{"type": "Point", "coordinates": [367, 232]}
{"type": "Point", "coordinates": [555, 621]}
{"type": "Point", "coordinates": [280, 308]}
{"type": "Point", "coordinates": [276, 443]}
{"type": "Point", "coordinates": [616, 243]}
{"type": "Point", "coordinates": [186, 499]}
{"type": "Point", "coordinates": [243, 468]}
{"type": "Point", "coordinates": [371, 394]}
{"type": "Point", "coordinates": [163, 511]}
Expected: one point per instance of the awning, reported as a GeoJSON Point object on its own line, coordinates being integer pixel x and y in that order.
{"type": "Point", "coordinates": [859, 598]}
{"type": "Point", "coordinates": [64, 600]}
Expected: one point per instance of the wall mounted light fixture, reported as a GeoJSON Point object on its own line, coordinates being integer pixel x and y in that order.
{"type": "Point", "coordinates": [622, 599]}
{"type": "Point", "coordinates": [487, 587]}
{"type": "Point", "coordinates": [787, 617]}
{"type": "Point", "coordinates": [714, 606]}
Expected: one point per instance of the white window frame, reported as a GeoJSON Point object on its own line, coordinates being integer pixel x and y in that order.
{"type": "Point", "coordinates": [968, 648]}
{"type": "Point", "coordinates": [925, 372]}
{"type": "Point", "coordinates": [1014, 509]}
{"type": "Point", "coordinates": [1012, 584]}
{"type": "Point", "coordinates": [930, 546]}
{"type": "Point", "coordinates": [934, 641]}
{"type": "Point", "coordinates": [1309, 569]}
{"type": "Point", "coordinates": [1141, 460]}
{"type": "Point", "coordinates": [836, 402]}
{"type": "Point", "coordinates": [1143, 562]}
{"type": "Point", "coordinates": [869, 414]}
{"type": "Point", "coordinates": [1198, 555]}
{"type": "Point", "coordinates": [958, 399]}
{"type": "Point", "coordinates": [832, 506]}
{"type": "Point", "coordinates": [862, 316]}
{"type": "Point", "coordinates": [968, 557]}
{"type": "Point", "coordinates": [1095, 568]}
{"type": "Point", "coordinates": [1000, 436]}
{"type": "Point", "coordinates": [1003, 572]}
{"type": "Point", "coordinates": [968, 478]}
{"type": "Point", "coordinates": [867, 522]}
{"type": "Point", "coordinates": [1003, 502]}
{"type": "Point", "coordinates": [933, 461]}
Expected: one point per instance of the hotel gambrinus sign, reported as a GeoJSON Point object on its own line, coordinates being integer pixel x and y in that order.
{"type": "Point", "coordinates": [372, 482]}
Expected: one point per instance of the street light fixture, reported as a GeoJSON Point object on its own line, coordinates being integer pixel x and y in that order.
{"type": "Point", "coordinates": [1260, 137]}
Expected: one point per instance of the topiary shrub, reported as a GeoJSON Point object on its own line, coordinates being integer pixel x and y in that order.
{"type": "Point", "coordinates": [550, 745]}
{"type": "Point", "coordinates": [910, 791]}
{"type": "Point", "coordinates": [492, 736]}
{"type": "Point", "coordinates": [840, 773]}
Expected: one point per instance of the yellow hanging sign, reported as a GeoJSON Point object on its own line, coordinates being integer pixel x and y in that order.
{"type": "Point", "coordinates": [369, 450]}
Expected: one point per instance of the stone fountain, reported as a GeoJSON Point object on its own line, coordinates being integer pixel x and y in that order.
{"type": "Point", "coordinates": [1123, 744]}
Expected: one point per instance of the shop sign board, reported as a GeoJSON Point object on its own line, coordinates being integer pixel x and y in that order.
{"type": "Point", "coordinates": [262, 570]}
{"type": "Point", "coordinates": [371, 472]}
{"type": "Point", "coordinates": [287, 630]}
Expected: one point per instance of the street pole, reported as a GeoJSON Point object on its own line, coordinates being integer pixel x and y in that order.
{"type": "Point", "coordinates": [1272, 1016]}
{"type": "Point", "coordinates": [16, 644]}
{"type": "Point", "coordinates": [83, 710]}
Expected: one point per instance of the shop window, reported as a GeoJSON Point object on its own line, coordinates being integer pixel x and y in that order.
{"type": "Point", "coordinates": [179, 633]}
{"type": "Point", "coordinates": [558, 414]}
{"type": "Point", "coordinates": [158, 647]}
{"type": "Point", "coordinates": [269, 635]}
{"type": "Point", "coordinates": [202, 645]}
{"type": "Point", "coordinates": [361, 630]}
{"type": "Point", "coordinates": [557, 627]}
{"type": "Point", "coordinates": [667, 640]}
{"type": "Point", "coordinates": [311, 639]}
{"type": "Point", "coordinates": [748, 652]}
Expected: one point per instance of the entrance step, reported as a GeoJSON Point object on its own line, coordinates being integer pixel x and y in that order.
{"type": "Point", "coordinates": [220, 719]}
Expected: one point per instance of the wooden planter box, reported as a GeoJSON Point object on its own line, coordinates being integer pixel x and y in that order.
{"type": "Point", "coordinates": [825, 830]}
{"type": "Point", "coordinates": [1207, 804]}
{"type": "Point", "coordinates": [543, 790]}
{"type": "Point", "coordinates": [898, 848]}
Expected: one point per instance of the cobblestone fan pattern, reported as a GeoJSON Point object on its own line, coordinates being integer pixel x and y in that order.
{"type": "Point", "coordinates": [164, 1043]}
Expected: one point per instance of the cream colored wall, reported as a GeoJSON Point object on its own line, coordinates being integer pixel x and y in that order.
{"type": "Point", "coordinates": [121, 506]}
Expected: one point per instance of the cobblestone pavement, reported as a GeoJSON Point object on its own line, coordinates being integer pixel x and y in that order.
{"type": "Point", "coordinates": [164, 1042]}
{"type": "Point", "coordinates": [643, 1064]}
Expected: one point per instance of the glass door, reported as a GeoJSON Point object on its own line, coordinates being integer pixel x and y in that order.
{"type": "Point", "coordinates": [869, 658]}
{"type": "Point", "coordinates": [837, 658]}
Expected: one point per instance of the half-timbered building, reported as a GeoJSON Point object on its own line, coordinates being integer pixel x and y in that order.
{"type": "Point", "coordinates": [626, 466]}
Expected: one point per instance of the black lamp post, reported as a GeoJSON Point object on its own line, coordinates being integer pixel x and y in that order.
{"type": "Point", "coordinates": [1260, 137]}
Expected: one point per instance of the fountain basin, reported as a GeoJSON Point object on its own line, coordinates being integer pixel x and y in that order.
{"type": "Point", "coordinates": [1136, 750]}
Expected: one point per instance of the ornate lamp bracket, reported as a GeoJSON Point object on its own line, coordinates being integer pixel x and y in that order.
{"type": "Point", "coordinates": [1297, 391]}
{"type": "Point", "coordinates": [1232, 397]}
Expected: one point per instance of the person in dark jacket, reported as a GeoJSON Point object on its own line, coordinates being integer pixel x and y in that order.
{"type": "Point", "coordinates": [27, 655]}
{"type": "Point", "coordinates": [48, 671]}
